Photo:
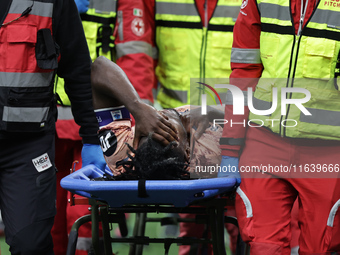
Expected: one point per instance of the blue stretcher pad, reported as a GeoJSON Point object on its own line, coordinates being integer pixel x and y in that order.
{"type": "Point", "coordinates": [179, 193]}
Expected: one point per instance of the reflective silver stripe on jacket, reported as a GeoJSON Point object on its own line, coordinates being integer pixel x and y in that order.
{"type": "Point", "coordinates": [274, 11]}
{"type": "Point", "coordinates": [230, 98]}
{"type": "Point", "coordinates": [134, 47]}
{"type": "Point", "coordinates": [64, 113]}
{"type": "Point", "coordinates": [154, 53]}
{"type": "Point", "coordinates": [332, 213]}
{"type": "Point", "coordinates": [185, 9]}
{"type": "Point", "coordinates": [25, 79]}
{"type": "Point", "coordinates": [25, 114]}
{"type": "Point", "coordinates": [294, 250]}
{"type": "Point", "coordinates": [103, 6]}
{"type": "Point", "coordinates": [323, 117]}
{"type": "Point", "coordinates": [39, 8]}
{"type": "Point", "coordinates": [120, 25]}
{"type": "Point", "coordinates": [261, 105]}
{"type": "Point", "coordinates": [246, 201]}
{"type": "Point", "coordinates": [246, 56]}
{"type": "Point", "coordinates": [176, 8]}
{"type": "Point", "coordinates": [223, 96]}
{"type": "Point", "coordinates": [279, 12]}
{"type": "Point", "coordinates": [326, 17]}
{"type": "Point", "coordinates": [222, 11]}
{"type": "Point", "coordinates": [84, 243]}
{"type": "Point", "coordinates": [179, 95]}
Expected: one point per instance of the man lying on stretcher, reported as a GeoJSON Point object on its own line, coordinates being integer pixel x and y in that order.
{"type": "Point", "coordinates": [157, 142]}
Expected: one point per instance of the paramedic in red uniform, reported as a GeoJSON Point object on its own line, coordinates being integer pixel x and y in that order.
{"type": "Point", "coordinates": [286, 43]}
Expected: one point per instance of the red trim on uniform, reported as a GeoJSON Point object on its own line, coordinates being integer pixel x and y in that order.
{"type": "Point", "coordinates": [138, 67]}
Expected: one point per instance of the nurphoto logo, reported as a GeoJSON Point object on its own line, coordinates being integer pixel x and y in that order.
{"type": "Point", "coordinates": [241, 98]}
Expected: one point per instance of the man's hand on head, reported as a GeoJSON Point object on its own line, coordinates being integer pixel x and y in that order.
{"type": "Point", "coordinates": [149, 120]}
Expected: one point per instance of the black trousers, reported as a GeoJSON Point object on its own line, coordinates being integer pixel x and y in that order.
{"type": "Point", "coordinates": [28, 192]}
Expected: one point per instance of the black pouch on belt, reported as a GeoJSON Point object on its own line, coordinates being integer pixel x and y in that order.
{"type": "Point", "coordinates": [46, 50]}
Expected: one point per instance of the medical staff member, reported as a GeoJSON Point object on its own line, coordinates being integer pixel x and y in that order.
{"type": "Point", "coordinates": [39, 39]}
{"type": "Point", "coordinates": [98, 19]}
{"type": "Point", "coordinates": [193, 39]}
{"type": "Point", "coordinates": [289, 45]}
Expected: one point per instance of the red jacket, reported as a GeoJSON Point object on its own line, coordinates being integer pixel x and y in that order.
{"type": "Point", "coordinates": [135, 46]}
{"type": "Point", "coordinates": [247, 36]}
{"type": "Point", "coordinates": [135, 41]}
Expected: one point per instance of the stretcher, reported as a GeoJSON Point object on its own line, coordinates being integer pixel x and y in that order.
{"type": "Point", "coordinates": [110, 200]}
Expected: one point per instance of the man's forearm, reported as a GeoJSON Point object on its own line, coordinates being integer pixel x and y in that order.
{"type": "Point", "coordinates": [111, 87]}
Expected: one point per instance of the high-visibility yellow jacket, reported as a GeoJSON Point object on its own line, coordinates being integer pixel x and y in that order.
{"type": "Point", "coordinates": [309, 61]}
{"type": "Point", "coordinates": [189, 49]}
